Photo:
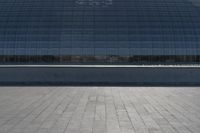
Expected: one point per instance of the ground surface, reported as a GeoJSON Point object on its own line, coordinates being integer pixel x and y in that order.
{"type": "Point", "coordinates": [99, 110]}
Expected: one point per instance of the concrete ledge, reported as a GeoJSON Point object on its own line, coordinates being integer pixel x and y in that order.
{"type": "Point", "coordinates": [99, 75]}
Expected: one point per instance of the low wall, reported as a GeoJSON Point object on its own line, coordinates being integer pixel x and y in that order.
{"type": "Point", "coordinates": [99, 75]}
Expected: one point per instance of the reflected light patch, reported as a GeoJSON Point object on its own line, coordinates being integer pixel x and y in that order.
{"type": "Point", "coordinates": [195, 2]}
{"type": "Point", "coordinates": [101, 3]}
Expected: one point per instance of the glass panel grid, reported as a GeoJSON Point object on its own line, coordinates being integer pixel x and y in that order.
{"type": "Point", "coordinates": [99, 28]}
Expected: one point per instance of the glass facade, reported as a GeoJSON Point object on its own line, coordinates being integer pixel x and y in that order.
{"type": "Point", "coordinates": [100, 31]}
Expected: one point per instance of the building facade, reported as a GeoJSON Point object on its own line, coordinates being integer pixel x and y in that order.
{"type": "Point", "coordinates": [100, 31]}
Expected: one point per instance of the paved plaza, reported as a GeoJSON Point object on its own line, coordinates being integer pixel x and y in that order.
{"type": "Point", "coordinates": [99, 109]}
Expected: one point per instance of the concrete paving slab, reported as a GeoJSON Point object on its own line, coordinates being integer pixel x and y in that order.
{"type": "Point", "coordinates": [99, 109]}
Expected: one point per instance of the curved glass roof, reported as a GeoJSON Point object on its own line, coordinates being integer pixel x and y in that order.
{"type": "Point", "coordinates": [99, 27]}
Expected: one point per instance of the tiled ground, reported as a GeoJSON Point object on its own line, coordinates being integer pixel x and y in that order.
{"type": "Point", "coordinates": [99, 110]}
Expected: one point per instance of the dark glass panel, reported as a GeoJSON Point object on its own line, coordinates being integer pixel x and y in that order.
{"type": "Point", "coordinates": [99, 30]}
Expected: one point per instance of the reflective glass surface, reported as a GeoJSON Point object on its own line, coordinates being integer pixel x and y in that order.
{"type": "Point", "coordinates": [99, 31]}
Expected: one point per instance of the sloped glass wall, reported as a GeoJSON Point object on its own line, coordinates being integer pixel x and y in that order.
{"type": "Point", "coordinates": [99, 32]}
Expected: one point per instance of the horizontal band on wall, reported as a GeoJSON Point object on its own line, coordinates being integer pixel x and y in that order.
{"type": "Point", "coordinates": [99, 75]}
{"type": "Point", "coordinates": [99, 66]}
